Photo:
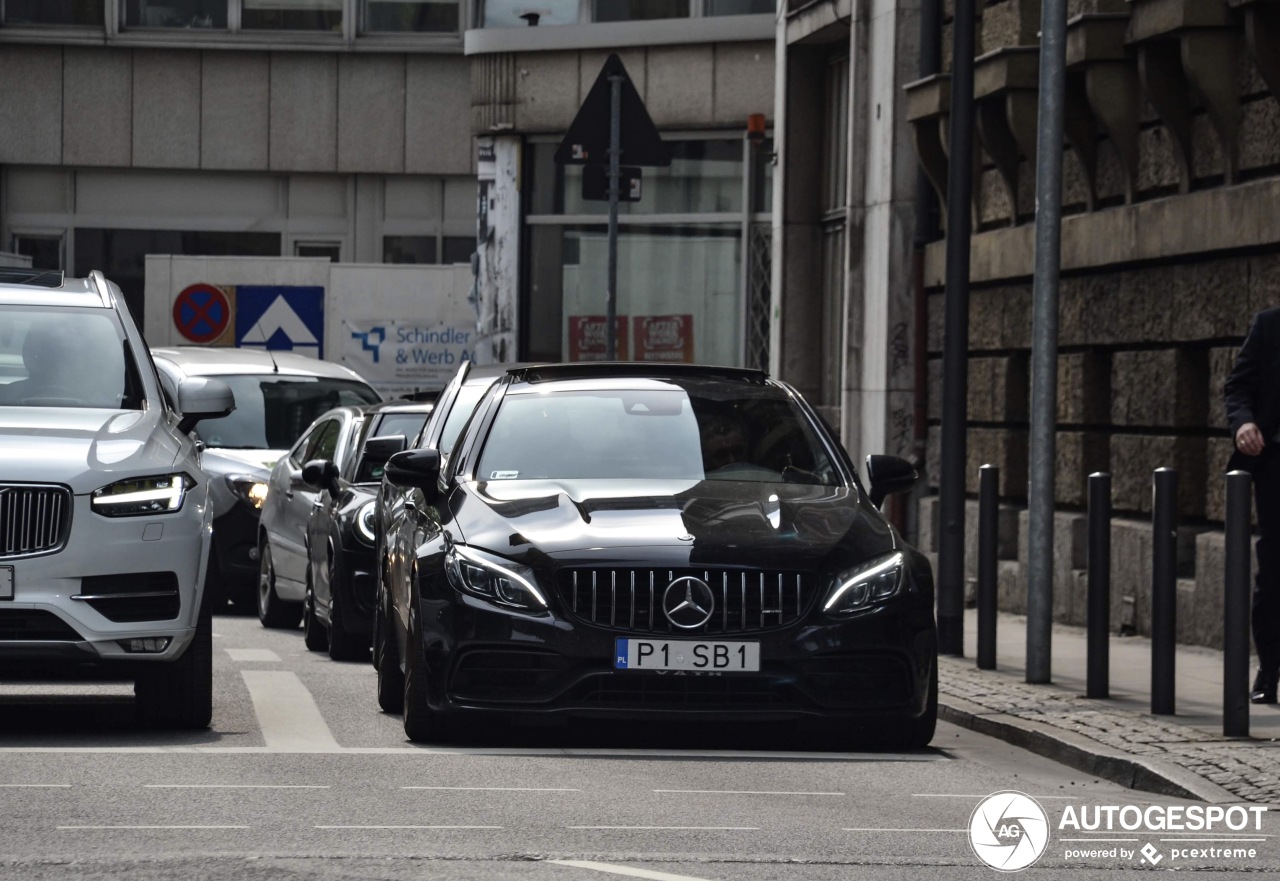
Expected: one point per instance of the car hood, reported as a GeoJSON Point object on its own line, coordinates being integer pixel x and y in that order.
{"type": "Point", "coordinates": [84, 448]}
{"type": "Point", "coordinates": [251, 463]}
{"type": "Point", "coordinates": [708, 522]}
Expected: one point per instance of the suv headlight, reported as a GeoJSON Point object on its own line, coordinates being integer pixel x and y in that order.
{"type": "Point", "coordinates": [250, 490]}
{"type": "Point", "coordinates": [141, 496]}
{"type": "Point", "coordinates": [866, 584]}
{"type": "Point", "coordinates": [364, 522]}
{"type": "Point", "coordinates": [493, 578]}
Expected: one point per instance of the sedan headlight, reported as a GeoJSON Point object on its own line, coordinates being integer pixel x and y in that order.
{"type": "Point", "coordinates": [493, 578]}
{"type": "Point", "coordinates": [142, 496]}
{"type": "Point", "coordinates": [364, 522]}
{"type": "Point", "coordinates": [250, 490]}
{"type": "Point", "coordinates": [866, 584]}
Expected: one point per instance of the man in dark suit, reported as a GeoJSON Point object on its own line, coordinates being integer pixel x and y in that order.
{"type": "Point", "coordinates": [1252, 397]}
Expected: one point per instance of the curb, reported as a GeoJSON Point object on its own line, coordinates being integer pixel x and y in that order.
{"type": "Point", "coordinates": [1083, 753]}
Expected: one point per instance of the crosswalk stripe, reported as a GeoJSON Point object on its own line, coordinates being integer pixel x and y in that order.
{"type": "Point", "coordinates": [287, 713]}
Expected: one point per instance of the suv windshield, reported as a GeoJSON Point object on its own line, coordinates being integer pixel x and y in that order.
{"type": "Point", "coordinates": [66, 357]}
{"type": "Point", "coordinates": [272, 411]}
{"type": "Point", "coordinates": [694, 434]}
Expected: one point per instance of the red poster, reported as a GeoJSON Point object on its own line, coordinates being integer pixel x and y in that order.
{"type": "Point", "coordinates": [587, 341]}
{"type": "Point", "coordinates": [664, 337]}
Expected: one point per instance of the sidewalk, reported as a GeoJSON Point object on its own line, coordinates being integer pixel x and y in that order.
{"type": "Point", "coordinates": [1183, 755]}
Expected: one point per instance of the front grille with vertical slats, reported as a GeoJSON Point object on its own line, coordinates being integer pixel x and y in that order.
{"type": "Point", "coordinates": [34, 519]}
{"type": "Point", "coordinates": [631, 599]}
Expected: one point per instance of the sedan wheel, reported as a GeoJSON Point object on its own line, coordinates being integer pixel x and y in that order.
{"type": "Point", "coordinates": [421, 723]}
{"type": "Point", "coordinates": [386, 660]}
{"type": "Point", "coordinates": [273, 611]}
{"type": "Point", "coordinates": [343, 644]}
{"type": "Point", "coordinates": [313, 632]}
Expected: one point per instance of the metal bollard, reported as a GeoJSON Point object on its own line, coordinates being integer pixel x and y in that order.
{"type": "Point", "coordinates": [1235, 608]}
{"type": "Point", "coordinates": [988, 535]}
{"type": "Point", "coordinates": [1098, 652]}
{"type": "Point", "coordinates": [1164, 589]}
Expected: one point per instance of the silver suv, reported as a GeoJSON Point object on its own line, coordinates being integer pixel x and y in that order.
{"type": "Point", "coordinates": [104, 512]}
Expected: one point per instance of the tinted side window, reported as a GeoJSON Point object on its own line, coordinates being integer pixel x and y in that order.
{"type": "Point", "coordinates": [325, 441]}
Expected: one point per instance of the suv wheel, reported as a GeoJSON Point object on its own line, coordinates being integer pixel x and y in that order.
{"type": "Point", "coordinates": [179, 694]}
{"type": "Point", "coordinates": [273, 611]}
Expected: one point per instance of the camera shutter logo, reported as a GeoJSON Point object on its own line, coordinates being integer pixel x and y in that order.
{"type": "Point", "coordinates": [1008, 831]}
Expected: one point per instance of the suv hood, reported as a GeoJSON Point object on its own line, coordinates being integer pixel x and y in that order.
{"type": "Point", "coordinates": [84, 448]}
{"type": "Point", "coordinates": [708, 522]}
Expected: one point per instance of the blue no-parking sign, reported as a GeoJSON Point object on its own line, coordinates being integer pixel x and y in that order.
{"type": "Point", "coordinates": [281, 318]}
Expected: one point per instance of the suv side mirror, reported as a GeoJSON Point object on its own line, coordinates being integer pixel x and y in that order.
{"type": "Point", "coordinates": [203, 397]}
{"type": "Point", "coordinates": [415, 468]}
{"type": "Point", "coordinates": [321, 474]}
{"type": "Point", "coordinates": [889, 475]}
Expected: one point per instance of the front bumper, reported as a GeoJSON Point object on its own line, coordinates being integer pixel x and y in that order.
{"type": "Point", "coordinates": [115, 580]}
{"type": "Point", "coordinates": [877, 666]}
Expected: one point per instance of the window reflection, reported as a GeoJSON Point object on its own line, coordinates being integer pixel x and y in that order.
{"type": "Point", "coordinates": [411, 16]}
{"type": "Point", "coordinates": [292, 15]}
{"type": "Point", "coordinates": [640, 10]}
{"type": "Point", "coordinates": [77, 12]}
{"type": "Point", "coordinates": [176, 14]}
{"type": "Point", "coordinates": [515, 13]}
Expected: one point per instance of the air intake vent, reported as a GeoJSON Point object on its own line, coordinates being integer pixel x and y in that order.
{"type": "Point", "coordinates": [138, 596]}
{"type": "Point", "coordinates": [34, 625]}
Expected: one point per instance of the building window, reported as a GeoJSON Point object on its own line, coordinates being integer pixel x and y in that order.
{"type": "Point", "coordinates": [409, 249]}
{"type": "Point", "coordinates": [411, 16]}
{"type": "Point", "coordinates": [639, 10]}
{"type": "Point", "coordinates": [54, 12]}
{"type": "Point", "coordinates": [291, 15]}
{"type": "Point", "coordinates": [739, 7]}
{"type": "Point", "coordinates": [457, 249]}
{"type": "Point", "coordinates": [45, 251]}
{"type": "Point", "coordinates": [519, 13]}
{"type": "Point", "coordinates": [176, 14]}
{"type": "Point", "coordinates": [331, 250]}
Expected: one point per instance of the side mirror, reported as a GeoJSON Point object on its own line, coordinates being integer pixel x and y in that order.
{"type": "Point", "coordinates": [202, 397]}
{"type": "Point", "coordinates": [889, 475]}
{"type": "Point", "coordinates": [415, 468]}
{"type": "Point", "coordinates": [321, 474]}
{"type": "Point", "coordinates": [377, 450]}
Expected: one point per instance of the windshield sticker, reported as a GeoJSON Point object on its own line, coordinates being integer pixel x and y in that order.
{"type": "Point", "coordinates": [504, 475]}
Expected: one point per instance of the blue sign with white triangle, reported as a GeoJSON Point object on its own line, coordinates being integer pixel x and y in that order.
{"type": "Point", "coordinates": [282, 318]}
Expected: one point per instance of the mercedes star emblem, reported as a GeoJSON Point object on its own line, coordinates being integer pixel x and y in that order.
{"type": "Point", "coordinates": [688, 603]}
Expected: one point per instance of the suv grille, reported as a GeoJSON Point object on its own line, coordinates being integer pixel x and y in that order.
{"type": "Point", "coordinates": [34, 519]}
{"type": "Point", "coordinates": [631, 599]}
{"type": "Point", "coordinates": [137, 596]}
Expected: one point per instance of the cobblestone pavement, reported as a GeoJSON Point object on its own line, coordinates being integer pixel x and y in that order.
{"type": "Point", "coordinates": [1073, 728]}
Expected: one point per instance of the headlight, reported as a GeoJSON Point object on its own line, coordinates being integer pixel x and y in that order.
{"type": "Point", "coordinates": [866, 584]}
{"type": "Point", "coordinates": [141, 496]}
{"type": "Point", "coordinates": [493, 578]}
{"type": "Point", "coordinates": [364, 522]}
{"type": "Point", "coordinates": [249, 490]}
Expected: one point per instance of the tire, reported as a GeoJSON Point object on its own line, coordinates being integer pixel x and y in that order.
{"type": "Point", "coordinates": [343, 644]}
{"type": "Point", "coordinates": [915, 733]}
{"type": "Point", "coordinates": [386, 660]}
{"type": "Point", "coordinates": [179, 694]}
{"type": "Point", "coordinates": [313, 633]}
{"type": "Point", "coordinates": [421, 723]}
{"type": "Point", "coordinates": [273, 611]}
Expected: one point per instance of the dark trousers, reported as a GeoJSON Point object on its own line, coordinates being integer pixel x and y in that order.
{"type": "Point", "coordinates": [1266, 582]}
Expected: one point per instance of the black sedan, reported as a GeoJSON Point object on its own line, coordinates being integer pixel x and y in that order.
{"type": "Point", "coordinates": [340, 539]}
{"type": "Point", "coordinates": [658, 541]}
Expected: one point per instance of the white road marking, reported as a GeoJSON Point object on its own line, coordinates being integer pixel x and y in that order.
{"type": "Point", "coordinates": [230, 786]}
{"type": "Point", "coordinates": [112, 828]}
{"type": "Point", "coordinates": [669, 828]}
{"type": "Point", "coordinates": [740, 792]}
{"type": "Point", "coordinates": [35, 785]}
{"type": "Point", "coordinates": [958, 795]}
{"type": "Point", "coordinates": [626, 871]}
{"type": "Point", "coordinates": [1229, 840]}
{"type": "Point", "coordinates": [287, 713]}
{"type": "Point", "coordinates": [883, 829]}
{"type": "Point", "coordinates": [314, 746]}
{"type": "Point", "coordinates": [1098, 839]}
{"type": "Point", "coordinates": [489, 789]}
{"type": "Point", "coordinates": [410, 827]}
{"type": "Point", "coordinates": [246, 655]}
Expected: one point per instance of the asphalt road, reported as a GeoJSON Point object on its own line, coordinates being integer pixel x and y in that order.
{"type": "Point", "coordinates": [302, 777]}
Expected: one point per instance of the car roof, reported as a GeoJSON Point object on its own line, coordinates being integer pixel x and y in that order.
{"type": "Point", "coordinates": [624, 374]}
{"type": "Point", "coordinates": [225, 360]}
{"type": "Point", "coordinates": [400, 407]}
{"type": "Point", "coordinates": [28, 287]}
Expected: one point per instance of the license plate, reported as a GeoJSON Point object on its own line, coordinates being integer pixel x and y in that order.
{"type": "Point", "coordinates": [6, 582]}
{"type": "Point", "coordinates": [664, 654]}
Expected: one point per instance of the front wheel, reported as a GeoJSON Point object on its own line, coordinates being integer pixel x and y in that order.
{"type": "Point", "coordinates": [421, 723]}
{"type": "Point", "coordinates": [273, 611]}
{"type": "Point", "coordinates": [343, 644]}
{"type": "Point", "coordinates": [179, 694]}
{"type": "Point", "coordinates": [313, 633]}
{"type": "Point", "coordinates": [386, 660]}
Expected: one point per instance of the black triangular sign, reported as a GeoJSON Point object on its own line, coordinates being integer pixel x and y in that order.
{"type": "Point", "coordinates": [587, 141]}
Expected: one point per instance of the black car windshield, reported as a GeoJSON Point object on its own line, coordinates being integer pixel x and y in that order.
{"type": "Point", "coordinates": [66, 357]}
{"type": "Point", "coordinates": [273, 410]}
{"type": "Point", "coordinates": [682, 433]}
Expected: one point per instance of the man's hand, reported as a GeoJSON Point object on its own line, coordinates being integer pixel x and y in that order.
{"type": "Point", "coordinates": [1249, 439]}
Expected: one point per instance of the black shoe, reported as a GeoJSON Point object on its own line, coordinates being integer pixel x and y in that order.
{"type": "Point", "coordinates": [1264, 688]}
